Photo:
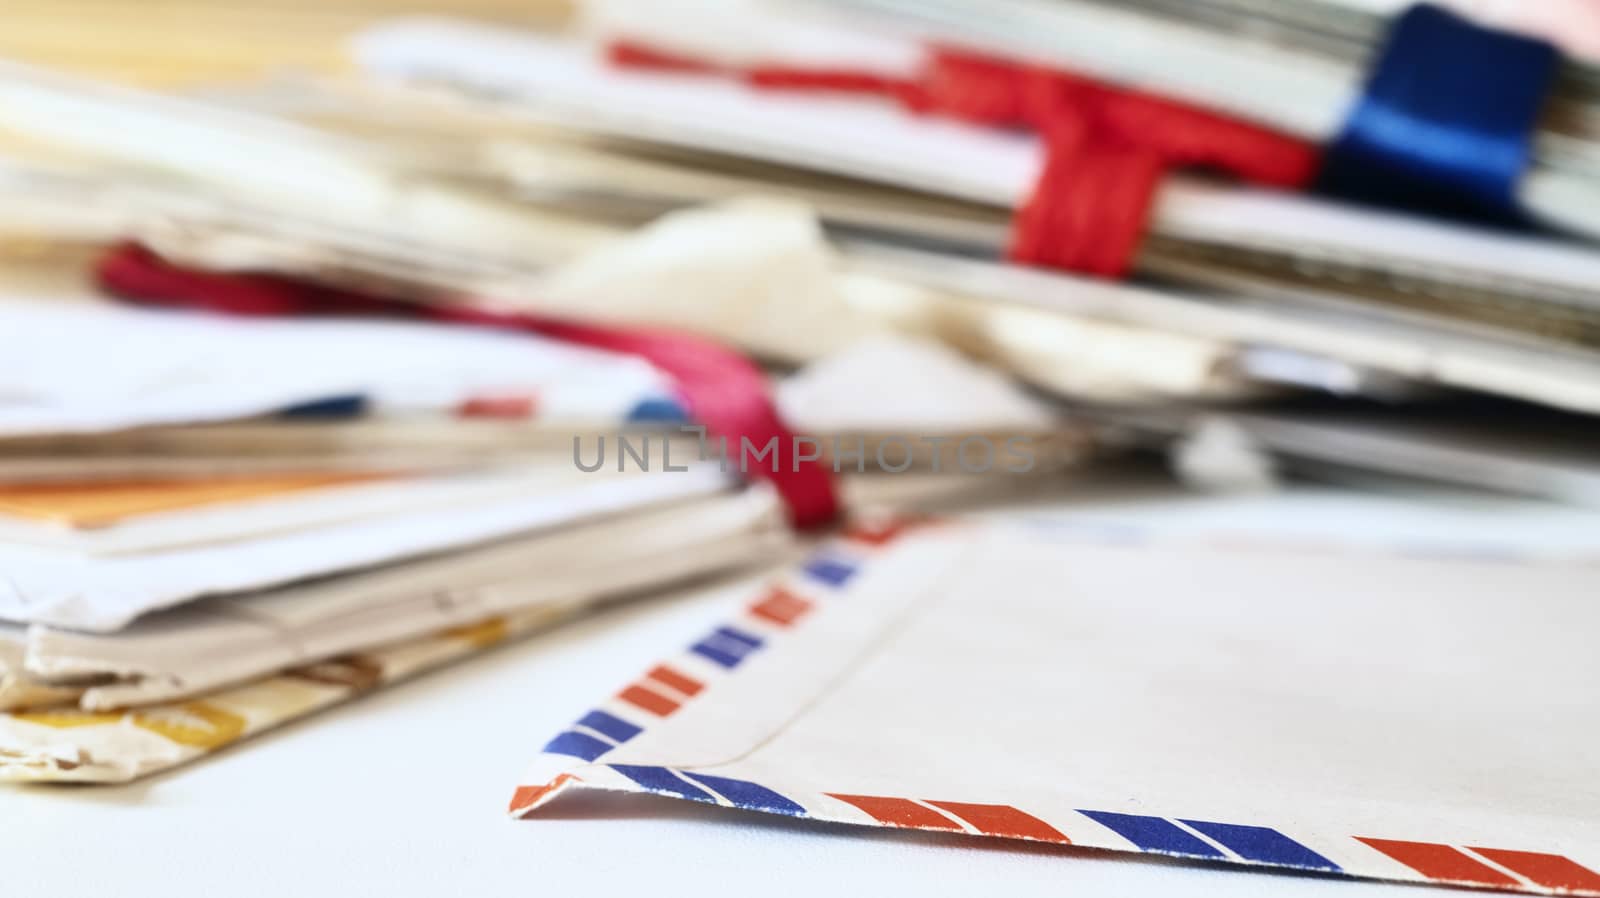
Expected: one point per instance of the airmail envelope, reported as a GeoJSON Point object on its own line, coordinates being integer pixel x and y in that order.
{"type": "Point", "coordinates": [1398, 716]}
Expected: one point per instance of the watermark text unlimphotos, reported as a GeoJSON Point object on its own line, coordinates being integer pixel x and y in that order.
{"type": "Point", "coordinates": [886, 453]}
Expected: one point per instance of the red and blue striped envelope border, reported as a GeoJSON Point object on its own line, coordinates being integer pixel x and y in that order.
{"type": "Point", "coordinates": [667, 687]}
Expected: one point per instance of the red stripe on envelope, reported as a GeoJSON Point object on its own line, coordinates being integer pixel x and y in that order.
{"type": "Point", "coordinates": [1441, 862]}
{"type": "Point", "coordinates": [1549, 870]}
{"type": "Point", "coordinates": [669, 677]}
{"type": "Point", "coordinates": [527, 796]}
{"type": "Point", "coordinates": [654, 702]}
{"type": "Point", "coordinates": [781, 608]}
{"type": "Point", "coordinates": [1003, 820]}
{"type": "Point", "coordinates": [899, 812]}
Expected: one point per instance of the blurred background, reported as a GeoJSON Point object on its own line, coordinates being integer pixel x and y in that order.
{"type": "Point", "coordinates": [192, 42]}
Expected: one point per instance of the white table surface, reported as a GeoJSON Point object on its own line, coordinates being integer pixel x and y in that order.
{"type": "Point", "coordinates": [402, 793]}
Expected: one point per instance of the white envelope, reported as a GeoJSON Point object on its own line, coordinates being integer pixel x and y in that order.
{"type": "Point", "coordinates": [1421, 717]}
{"type": "Point", "coordinates": [103, 594]}
{"type": "Point", "coordinates": [164, 367]}
{"type": "Point", "coordinates": [229, 639]}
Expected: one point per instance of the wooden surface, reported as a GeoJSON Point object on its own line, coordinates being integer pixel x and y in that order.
{"type": "Point", "coordinates": [195, 42]}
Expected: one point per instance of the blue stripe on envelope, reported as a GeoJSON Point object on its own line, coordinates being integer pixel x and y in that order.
{"type": "Point", "coordinates": [1259, 843]}
{"type": "Point", "coordinates": [829, 569]}
{"type": "Point", "coordinates": [753, 642]}
{"type": "Point", "coordinates": [726, 646]}
{"type": "Point", "coordinates": [748, 795]}
{"type": "Point", "coordinates": [660, 779]}
{"type": "Point", "coordinates": [609, 726]}
{"type": "Point", "coordinates": [1154, 834]}
{"type": "Point", "coordinates": [577, 745]}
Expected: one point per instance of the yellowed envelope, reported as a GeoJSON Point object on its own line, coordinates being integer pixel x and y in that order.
{"type": "Point", "coordinates": [95, 504]}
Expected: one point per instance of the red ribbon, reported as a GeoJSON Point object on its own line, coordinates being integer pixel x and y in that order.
{"type": "Point", "coordinates": [725, 392]}
{"type": "Point", "coordinates": [1107, 147]}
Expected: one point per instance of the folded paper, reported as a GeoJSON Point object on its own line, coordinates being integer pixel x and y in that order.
{"type": "Point", "coordinates": [70, 745]}
{"type": "Point", "coordinates": [67, 589]}
{"type": "Point", "coordinates": [162, 368]}
{"type": "Point", "coordinates": [228, 639]}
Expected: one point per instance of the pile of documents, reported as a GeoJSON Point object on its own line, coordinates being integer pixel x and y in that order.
{"type": "Point", "coordinates": [255, 506]}
{"type": "Point", "coordinates": [320, 382]}
{"type": "Point", "coordinates": [1241, 294]}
